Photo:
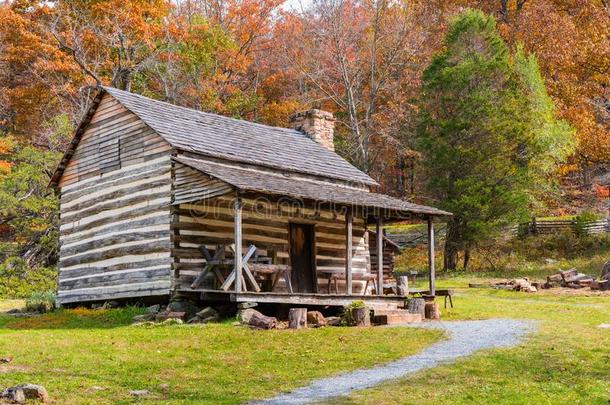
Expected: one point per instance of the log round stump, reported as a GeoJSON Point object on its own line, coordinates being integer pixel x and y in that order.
{"type": "Point", "coordinates": [416, 306]}
{"type": "Point", "coordinates": [297, 318]}
{"type": "Point", "coordinates": [360, 317]}
{"type": "Point", "coordinates": [432, 311]}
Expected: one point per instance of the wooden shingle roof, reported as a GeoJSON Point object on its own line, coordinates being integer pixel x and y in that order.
{"type": "Point", "coordinates": [238, 140]}
{"type": "Point", "coordinates": [251, 179]}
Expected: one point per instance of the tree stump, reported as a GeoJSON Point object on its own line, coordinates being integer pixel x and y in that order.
{"type": "Point", "coordinates": [297, 318]}
{"type": "Point", "coordinates": [416, 306]}
{"type": "Point", "coordinates": [361, 316]}
{"type": "Point", "coordinates": [431, 310]}
{"type": "Point", "coordinates": [402, 285]}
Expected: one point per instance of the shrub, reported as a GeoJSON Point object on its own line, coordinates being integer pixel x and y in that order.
{"type": "Point", "coordinates": [581, 221]}
{"type": "Point", "coordinates": [355, 304]}
{"type": "Point", "coordinates": [18, 280]}
{"type": "Point", "coordinates": [42, 302]}
{"type": "Point", "coordinates": [348, 318]}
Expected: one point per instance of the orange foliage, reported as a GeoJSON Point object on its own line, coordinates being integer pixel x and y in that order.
{"type": "Point", "coordinates": [602, 191]}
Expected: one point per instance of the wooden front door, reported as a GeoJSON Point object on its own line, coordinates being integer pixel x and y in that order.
{"type": "Point", "coordinates": [302, 258]}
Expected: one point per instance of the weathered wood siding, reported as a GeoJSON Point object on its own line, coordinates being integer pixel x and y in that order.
{"type": "Point", "coordinates": [192, 185]}
{"type": "Point", "coordinates": [265, 224]}
{"type": "Point", "coordinates": [115, 211]}
{"type": "Point", "coordinates": [114, 138]}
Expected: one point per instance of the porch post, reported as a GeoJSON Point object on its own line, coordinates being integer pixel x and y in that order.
{"type": "Point", "coordinates": [348, 250]}
{"type": "Point", "coordinates": [431, 270]}
{"type": "Point", "coordinates": [379, 230]}
{"type": "Point", "coordinates": [237, 237]}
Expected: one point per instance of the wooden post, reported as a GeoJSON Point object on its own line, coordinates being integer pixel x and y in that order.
{"type": "Point", "coordinates": [238, 257]}
{"type": "Point", "coordinates": [348, 250]}
{"type": "Point", "coordinates": [379, 230]}
{"type": "Point", "coordinates": [431, 270]}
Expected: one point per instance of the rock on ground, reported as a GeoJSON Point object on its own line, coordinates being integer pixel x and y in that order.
{"type": "Point", "coordinates": [315, 319]}
{"type": "Point", "coordinates": [23, 392]}
{"type": "Point", "coordinates": [143, 318]}
{"type": "Point", "coordinates": [183, 306]}
{"type": "Point", "coordinates": [333, 321]}
{"type": "Point", "coordinates": [139, 393]}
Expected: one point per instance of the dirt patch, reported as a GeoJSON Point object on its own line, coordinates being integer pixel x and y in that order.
{"type": "Point", "coordinates": [570, 292]}
{"type": "Point", "coordinates": [8, 369]}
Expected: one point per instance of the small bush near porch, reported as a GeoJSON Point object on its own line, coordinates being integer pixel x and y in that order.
{"type": "Point", "coordinates": [95, 356]}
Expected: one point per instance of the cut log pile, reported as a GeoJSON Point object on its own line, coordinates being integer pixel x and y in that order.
{"type": "Point", "coordinates": [567, 279]}
{"type": "Point", "coordinates": [298, 318]}
{"type": "Point", "coordinates": [354, 315]}
{"type": "Point", "coordinates": [574, 279]}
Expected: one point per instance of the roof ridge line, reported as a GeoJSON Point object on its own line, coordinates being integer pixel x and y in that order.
{"type": "Point", "coordinates": [201, 112]}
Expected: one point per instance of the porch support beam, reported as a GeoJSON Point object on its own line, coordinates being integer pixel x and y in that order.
{"type": "Point", "coordinates": [348, 250]}
{"type": "Point", "coordinates": [379, 230]}
{"type": "Point", "coordinates": [238, 247]}
{"type": "Point", "coordinates": [431, 269]}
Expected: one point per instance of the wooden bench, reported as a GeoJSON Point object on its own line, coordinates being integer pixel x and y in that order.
{"type": "Point", "coordinates": [439, 293]}
{"type": "Point", "coordinates": [335, 276]}
{"type": "Point", "coordinates": [273, 271]}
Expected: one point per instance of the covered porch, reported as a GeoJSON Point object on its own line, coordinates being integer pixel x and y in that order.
{"type": "Point", "coordinates": [277, 240]}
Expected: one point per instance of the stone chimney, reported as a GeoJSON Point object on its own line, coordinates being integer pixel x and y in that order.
{"type": "Point", "coordinates": [317, 124]}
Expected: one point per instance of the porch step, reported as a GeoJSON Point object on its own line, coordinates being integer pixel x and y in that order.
{"type": "Point", "coordinates": [395, 317]}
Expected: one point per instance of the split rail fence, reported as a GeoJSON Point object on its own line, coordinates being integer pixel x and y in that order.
{"type": "Point", "coordinates": [552, 226]}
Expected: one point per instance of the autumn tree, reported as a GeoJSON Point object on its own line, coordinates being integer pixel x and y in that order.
{"type": "Point", "coordinates": [488, 134]}
{"type": "Point", "coordinates": [27, 206]}
{"type": "Point", "coordinates": [570, 40]}
{"type": "Point", "coordinates": [360, 60]}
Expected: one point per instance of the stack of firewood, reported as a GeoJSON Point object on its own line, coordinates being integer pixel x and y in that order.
{"type": "Point", "coordinates": [574, 279]}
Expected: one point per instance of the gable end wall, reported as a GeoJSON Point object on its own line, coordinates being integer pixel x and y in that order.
{"type": "Point", "coordinates": [115, 211]}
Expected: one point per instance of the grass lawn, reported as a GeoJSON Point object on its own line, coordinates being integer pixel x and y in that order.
{"type": "Point", "coordinates": [566, 361]}
{"type": "Point", "coordinates": [94, 356]}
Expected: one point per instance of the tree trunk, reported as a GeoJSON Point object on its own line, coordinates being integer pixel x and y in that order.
{"type": "Point", "coordinates": [466, 258]}
{"type": "Point", "coordinates": [450, 256]}
{"type": "Point", "coordinates": [297, 318]}
{"type": "Point", "coordinates": [451, 246]}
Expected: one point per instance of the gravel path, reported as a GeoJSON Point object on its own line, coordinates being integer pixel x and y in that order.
{"type": "Point", "coordinates": [465, 338]}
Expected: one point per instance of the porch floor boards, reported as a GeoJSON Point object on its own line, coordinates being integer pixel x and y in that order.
{"type": "Point", "coordinates": [314, 299]}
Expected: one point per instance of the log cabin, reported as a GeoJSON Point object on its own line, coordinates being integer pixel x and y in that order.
{"type": "Point", "coordinates": [158, 200]}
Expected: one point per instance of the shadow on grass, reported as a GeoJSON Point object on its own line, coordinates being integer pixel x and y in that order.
{"type": "Point", "coordinates": [78, 318]}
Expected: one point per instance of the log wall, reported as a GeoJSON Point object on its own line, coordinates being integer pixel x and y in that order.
{"type": "Point", "coordinates": [388, 258]}
{"type": "Point", "coordinates": [115, 211]}
{"type": "Point", "coordinates": [265, 224]}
